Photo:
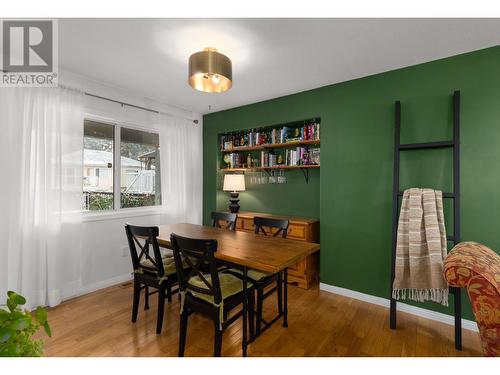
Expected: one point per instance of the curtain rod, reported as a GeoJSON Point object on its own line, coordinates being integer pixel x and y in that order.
{"type": "Point", "coordinates": [136, 106]}
{"type": "Point", "coordinates": [123, 103]}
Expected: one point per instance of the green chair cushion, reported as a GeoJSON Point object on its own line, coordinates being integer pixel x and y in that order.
{"type": "Point", "coordinates": [166, 259]}
{"type": "Point", "coordinates": [168, 264]}
{"type": "Point", "coordinates": [253, 275]}
{"type": "Point", "coordinates": [229, 285]}
{"type": "Point", "coordinates": [168, 253]}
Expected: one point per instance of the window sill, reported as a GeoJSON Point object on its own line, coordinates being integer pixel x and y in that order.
{"type": "Point", "coordinates": [121, 214]}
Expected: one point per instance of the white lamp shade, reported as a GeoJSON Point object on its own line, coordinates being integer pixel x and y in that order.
{"type": "Point", "coordinates": [234, 182]}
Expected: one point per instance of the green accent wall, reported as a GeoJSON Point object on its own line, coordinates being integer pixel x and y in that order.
{"type": "Point", "coordinates": [352, 191]}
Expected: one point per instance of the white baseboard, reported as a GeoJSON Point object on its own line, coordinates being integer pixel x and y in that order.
{"type": "Point", "coordinates": [105, 283]}
{"type": "Point", "coordinates": [101, 285]}
{"type": "Point", "coordinates": [418, 311]}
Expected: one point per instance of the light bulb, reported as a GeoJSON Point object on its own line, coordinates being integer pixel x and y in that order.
{"type": "Point", "coordinates": [215, 79]}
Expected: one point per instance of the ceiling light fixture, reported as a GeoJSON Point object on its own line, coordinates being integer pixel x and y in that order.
{"type": "Point", "coordinates": [210, 71]}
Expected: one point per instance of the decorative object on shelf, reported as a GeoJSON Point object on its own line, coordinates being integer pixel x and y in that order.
{"type": "Point", "coordinates": [227, 160]}
{"type": "Point", "coordinates": [210, 71]}
{"type": "Point", "coordinates": [234, 183]}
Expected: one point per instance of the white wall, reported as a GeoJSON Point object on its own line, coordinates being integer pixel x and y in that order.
{"type": "Point", "coordinates": [106, 258]}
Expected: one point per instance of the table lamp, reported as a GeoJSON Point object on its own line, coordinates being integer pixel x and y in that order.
{"type": "Point", "coordinates": [234, 183]}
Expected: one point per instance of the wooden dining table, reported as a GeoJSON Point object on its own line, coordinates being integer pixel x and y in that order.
{"type": "Point", "coordinates": [247, 250]}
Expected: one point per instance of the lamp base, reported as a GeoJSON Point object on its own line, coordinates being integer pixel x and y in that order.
{"type": "Point", "coordinates": [234, 206]}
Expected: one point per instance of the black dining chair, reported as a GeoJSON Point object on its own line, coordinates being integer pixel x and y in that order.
{"type": "Point", "coordinates": [210, 293]}
{"type": "Point", "coordinates": [151, 269]}
{"type": "Point", "coordinates": [229, 220]}
{"type": "Point", "coordinates": [261, 223]}
{"type": "Point", "coordinates": [261, 280]}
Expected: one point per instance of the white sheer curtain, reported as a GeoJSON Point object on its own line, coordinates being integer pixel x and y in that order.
{"type": "Point", "coordinates": [181, 170]}
{"type": "Point", "coordinates": [41, 160]}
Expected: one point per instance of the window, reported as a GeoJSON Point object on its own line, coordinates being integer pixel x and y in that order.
{"type": "Point", "coordinates": [140, 168]}
{"type": "Point", "coordinates": [98, 147]}
{"type": "Point", "coordinates": [138, 156]}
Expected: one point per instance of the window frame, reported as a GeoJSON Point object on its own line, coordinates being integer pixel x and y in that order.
{"type": "Point", "coordinates": [118, 211]}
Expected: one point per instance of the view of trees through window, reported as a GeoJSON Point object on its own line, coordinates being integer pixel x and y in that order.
{"type": "Point", "coordinates": [139, 174]}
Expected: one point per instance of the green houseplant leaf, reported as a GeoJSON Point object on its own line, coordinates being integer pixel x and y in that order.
{"type": "Point", "coordinates": [17, 298]}
{"type": "Point", "coordinates": [11, 304]}
{"type": "Point", "coordinates": [47, 329]}
{"type": "Point", "coordinates": [10, 350]}
{"type": "Point", "coordinates": [4, 315]}
{"type": "Point", "coordinates": [5, 334]}
{"type": "Point", "coordinates": [20, 322]}
{"type": "Point", "coordinates": [41, 315]}
{"type": "Point", "coordinates": [18, 326]}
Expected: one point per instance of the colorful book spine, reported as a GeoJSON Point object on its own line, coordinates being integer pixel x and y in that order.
{"type": "Point", "coordinates": [258, 137]}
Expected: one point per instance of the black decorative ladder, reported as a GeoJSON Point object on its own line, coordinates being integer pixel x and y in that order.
{"type": "Point", "coordinates": [455, 195]}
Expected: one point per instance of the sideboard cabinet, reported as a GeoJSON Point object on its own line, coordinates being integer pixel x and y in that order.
{"type": "Point", "coordinates": [305, 272]}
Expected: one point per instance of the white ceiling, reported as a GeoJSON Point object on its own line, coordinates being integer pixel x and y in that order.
{"type": "Point", "coordinates": [271, 57]}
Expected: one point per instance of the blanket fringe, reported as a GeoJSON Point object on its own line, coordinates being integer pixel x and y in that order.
{"type": "Point", "coordinates": [422, 295]}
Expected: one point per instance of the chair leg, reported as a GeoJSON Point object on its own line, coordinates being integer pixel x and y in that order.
{"type": "Point", "coordinates": [260, 298]}
{"type": "Point", "coordinates": [217, 334]}
{"type": "Point", "coordinates": [135, 302]}
{"type": "Point", "coordinates": [183, 332]}
{"type": "Point", "coordinates": [280, 294]}
{"type": "Point", "coordinates": [169, 293]}
{"type": "Point", "coordinates": [161, 308]}
{"type": "Point", "coordinates": [146, 298]}
{"type": "Point", "coordinates": [251, 314]}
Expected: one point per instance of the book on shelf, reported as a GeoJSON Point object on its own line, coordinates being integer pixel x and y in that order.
{"type": "Point", "coordinates": [288, 157]}
{"type": "Point", "coordinates": [263, 136]}
{"type": "Point", "coordinates": [301, 155]}
{"type": "Point", "coordinates": [314, 155]}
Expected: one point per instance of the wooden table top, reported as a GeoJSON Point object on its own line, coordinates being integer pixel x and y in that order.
{"type": "Point", "coordinates": [267, 254]}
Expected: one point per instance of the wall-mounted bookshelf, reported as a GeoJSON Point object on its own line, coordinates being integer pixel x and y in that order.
{"type": "Point", "coordinates": [289, 146]}
{"type": "Point", "coordinates": [272, 146]}
{"type": "Point", "coordinates": [277, 167]}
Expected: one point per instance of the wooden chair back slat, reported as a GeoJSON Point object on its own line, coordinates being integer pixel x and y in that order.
{"type": "Point", "coordinates": [199, 255]}
{"type": "Point", "coordinates": [229, 218]}
{"type": "Point", "coordinates": [143, 245]}
{"type": "Point", "coordinates": [261, 222]}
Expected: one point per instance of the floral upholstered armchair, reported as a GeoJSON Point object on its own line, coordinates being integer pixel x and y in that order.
{"type": "Point", "coordinates": [475, 267]}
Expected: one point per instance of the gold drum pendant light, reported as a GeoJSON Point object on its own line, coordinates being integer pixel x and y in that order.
{"type": "Point", "coordinates": [210, 71]}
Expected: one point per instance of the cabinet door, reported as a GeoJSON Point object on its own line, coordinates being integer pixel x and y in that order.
{"type": "Point", "coordinates": [239, 224]}
{"type": "Point", "coordinates": [297, 232]}
{"type": "Point", "coordinates": [247, 225]}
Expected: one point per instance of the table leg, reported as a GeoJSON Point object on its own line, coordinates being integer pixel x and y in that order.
{"type": "Point", "coordinates": [285, 297]}
{"type": "Point", "coordinates": [245, 296]}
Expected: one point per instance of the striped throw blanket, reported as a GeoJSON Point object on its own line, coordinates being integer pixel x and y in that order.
{"type": "Point", "coordinates": [421, 248]}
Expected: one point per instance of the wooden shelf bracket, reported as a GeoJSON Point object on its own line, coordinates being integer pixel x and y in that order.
{"type": "Point", "coordinates": [305, 172]}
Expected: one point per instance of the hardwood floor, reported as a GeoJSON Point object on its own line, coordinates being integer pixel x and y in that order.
{"type": "Point", "coordinates": [320, 324]}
